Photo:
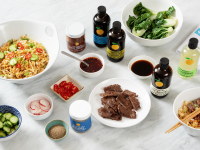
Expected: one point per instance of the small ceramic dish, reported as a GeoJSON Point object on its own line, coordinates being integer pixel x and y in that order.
{"type": "Point", "coordinates": [38, 97]}
{"type": "Point", "coordinates": [14, 111]}
{"type": "Point", "coordinates": [56, 122]}
{"type": "Point", "coordinates": [141, 57]}
{"type": "Point", "coordinates": [93, 74]}
{"type": "Point", "coordinates": [68, 79]}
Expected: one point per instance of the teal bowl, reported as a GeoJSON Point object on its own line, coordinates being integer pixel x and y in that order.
{"type": "Point", "coordinates": [56, 122]}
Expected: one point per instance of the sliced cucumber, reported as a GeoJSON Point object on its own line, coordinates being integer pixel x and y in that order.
{"type": "Point", "coordinates": [14, 119]}
{"type": "Point", "coordinates": [2, 55]}
{"type": "Point", "coordinates": [11, 131]}
{"type": "Point", "coordinates": [13, 61]}
{"type": "Point", "coordinates": [2, 134]}
{"type": "Point", "coordinates": [1, 115]}
{"type": "Point", "coordinates": [8, 115]}
{"type": "Point", "coordinates": [16, 127]}
{"type": "Point", "coordinates": [7, 129]}
{"type": "Point", "coordinates": [8, 124]}
{"type": "Point", "coordinates": [3, 119]}
{"type": "Point", "coordinates": [34, 57]}
{"type": "Point", "coordinates": [13, 47]}
{"type": "Point", "coordinates": [1, 124]}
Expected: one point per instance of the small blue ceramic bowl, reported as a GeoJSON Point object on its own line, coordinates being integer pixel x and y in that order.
{"type": "Point", "coordinates": [14, 111]}
{"type": "Point", "coordinates": [56, 122]}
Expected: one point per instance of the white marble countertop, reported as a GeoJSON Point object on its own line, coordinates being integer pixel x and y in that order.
{"type": "Point", "coordinates": [149, 134]}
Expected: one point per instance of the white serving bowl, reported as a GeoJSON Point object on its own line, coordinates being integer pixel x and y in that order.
{"type": "Point", "coordinates": [141, 57]}
{"type": "Point", "coordinates": [155, 5]}
{"type": "Point", "coordinates": [37, 97]}
{"type": "Point", "coordinates": [94, 74]}
{"type": "Point", "coordinates": [35, 30]}
{"type": "Point", "coordinates": [187, 95]}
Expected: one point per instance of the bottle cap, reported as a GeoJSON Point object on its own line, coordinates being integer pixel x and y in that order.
{"type": "Point", "coordinates": [193, 42]}
{"type": "Point", "coordinates": [116, 27]}
{"type": "Point", "coordinates": [101, 11]}
{"type": "Point", "coordinates": [164, 63]}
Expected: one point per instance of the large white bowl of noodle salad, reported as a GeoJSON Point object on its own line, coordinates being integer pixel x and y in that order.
{"type": "Point", "coordinates": [27, 49]}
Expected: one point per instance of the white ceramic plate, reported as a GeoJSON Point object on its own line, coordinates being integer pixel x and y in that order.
{"type": "Point", "coordinates": [143, 97]}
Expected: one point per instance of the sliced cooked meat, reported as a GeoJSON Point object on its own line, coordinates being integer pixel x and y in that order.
{"type": "Point", "coordinates": [124, 102]}
{"type": "Point", "coordinates": [106, 112]}
{"type": "Point", "coordinates": [198, 102]}
{"type": "Point", "coordinates": [117, 117]}
{"type": "Point", "coordinates": [109, 93]}
{"type": "Point", "coordinates": [134, 102]}
{"type": "Point", "coordinates": [126, 112]}
{"type": "Point", "coordinates": [115, 88]}
{"type": "Point", "coordinates": [191, 107]}
{"type": "Point", "coordinates": [110, 101]}
{"type": "Point", "coordinates": [111, 110]}
{"type": "Point", "coordinates": [128, 93]}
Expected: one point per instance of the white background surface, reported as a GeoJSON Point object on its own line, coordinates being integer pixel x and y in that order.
{"type": "Point", "coordinates": [149, 134]}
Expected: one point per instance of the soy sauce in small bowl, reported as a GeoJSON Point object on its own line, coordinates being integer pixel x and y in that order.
{"type": "Point", "coordinates": [142, 68]}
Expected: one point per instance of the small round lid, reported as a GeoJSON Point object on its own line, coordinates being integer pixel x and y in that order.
{"type": "Point", "coordinates": [193, 42]}
{"type": "Point", "coordinates": [75, 30]}
{"type": "Point", "coordinates": [164, 63]}
{"type": "Point", "coordinates": [116, 27]}
{"type": "Point", "coordinates": [80, 110]}
{"type": "Point", "coordinates": [101, 11]}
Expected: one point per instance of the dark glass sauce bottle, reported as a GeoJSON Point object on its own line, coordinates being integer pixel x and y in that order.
{"type": "Point", "coordinates": [101, 23]}
{"type": "Point", "coordinates": [161, 79]}
{"type": "Point", "coordinates": [116, 43]}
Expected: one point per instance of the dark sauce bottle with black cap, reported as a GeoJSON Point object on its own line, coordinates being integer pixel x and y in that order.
{"type": "Point", "coordinates": [116, 43]}
{"type": "Point", "coordinates": [161, 79]}
{"type": "Point", "coordinates": [101, 23]}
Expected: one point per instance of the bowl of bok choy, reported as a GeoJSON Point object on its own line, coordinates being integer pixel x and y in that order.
{"type": "Point", "coordinates": [152, 22]}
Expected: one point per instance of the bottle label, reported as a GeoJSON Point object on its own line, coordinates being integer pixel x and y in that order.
{"type": "Point", "coordinates": [159, 92]}
{"type": "Point", "coordinates": [100, 40]}
{"type": "Point", "coordinates": [115, 54]}
{"type": "Point", "coordinates": [185, 73]}
{"type": "Point", "coordinates": [81, 126]}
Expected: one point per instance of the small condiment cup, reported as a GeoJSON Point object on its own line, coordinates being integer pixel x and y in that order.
{"type": "Point", "coordinates": [93, 74]}
{"type": "Point", "coordinates": [37, 97]}
{"type": "Point", "coordinates": [53, 123]}
{"type": "Point", "coordinates": [141, 57]}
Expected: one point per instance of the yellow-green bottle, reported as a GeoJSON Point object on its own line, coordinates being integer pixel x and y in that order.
{"type": "Point", "coordinates": [189, 60]}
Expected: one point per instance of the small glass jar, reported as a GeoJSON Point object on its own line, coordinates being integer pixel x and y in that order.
{"type": "Point", "coordinates": [80, 115]}
{"type": "Point", "coordinates": [75, 34]}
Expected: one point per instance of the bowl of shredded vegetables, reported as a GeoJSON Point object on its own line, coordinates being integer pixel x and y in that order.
{"type": "Point", "coordinates": [27, 49]}
{"type": "Point", "coordinates": [152, 22]}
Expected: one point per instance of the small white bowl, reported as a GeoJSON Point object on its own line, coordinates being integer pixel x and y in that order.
{"type": "Point", "coordinates": [141, 57]}
{"type": "Point", "coordinates": [187, 95]}
{"type": "Point", "coordinates": [94, 74]}
{"type": "Point", "coordinates": [155, 5]}
{"type": "Point", "coordinates": [37, 97]}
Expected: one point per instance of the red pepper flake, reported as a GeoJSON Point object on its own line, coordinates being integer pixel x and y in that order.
{"type": "Point", "coordinates": [95, 64]}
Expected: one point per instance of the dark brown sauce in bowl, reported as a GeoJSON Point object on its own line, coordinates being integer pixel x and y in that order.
{"type": "Point", "coordinates": [142, 68]}
{"type": "Point", "coordinates": [95, 64]}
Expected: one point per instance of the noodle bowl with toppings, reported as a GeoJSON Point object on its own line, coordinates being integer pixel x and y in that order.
{"type": "Point", "coordinates": [22, 58]}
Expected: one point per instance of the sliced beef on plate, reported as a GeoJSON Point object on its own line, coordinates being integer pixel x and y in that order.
{"type": "Point", "coordinates": [110, 101]}
{"type": "Point", "coordinates": [114, 87]}
{"type": "Point", "coordinates": [124, 102]}
{"type": "Point", "coordinates": [134, 102]}
{"type": "Point", "coordinates": [198, 102]}
{"type": "Point", "coordinates": [191, 107]}
{"type": "Point", "coordinates": [106, 112]}
{"type": "Point", "coordinates": [126, 112]}
{"type": "Point", "coordinates": [128, 93]}
{"type": "Point", "coordinates": [110, 93]}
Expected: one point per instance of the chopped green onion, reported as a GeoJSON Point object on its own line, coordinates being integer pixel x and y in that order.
{"type": "Point", "coordinates": [11, 41]}
{"type": "Point", "coordinates": [196, 105]}
{"type": "Point", "coordinates": [26, 73]}
{"type": "Point", "coordinates": [34, 47]}
{"type": "Point", "coordinates": [5, 52]}
{"type": "Point", "coordinates": [19, 58]}
{"type": "Point", "coordinates": [25, 38]}
{"type": "Point", "coordinates": [26, 62]}
{"type": "Point", "coordinates": [31, 45]}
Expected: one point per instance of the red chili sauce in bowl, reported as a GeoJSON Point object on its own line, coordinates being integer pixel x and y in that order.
{"type": "Point", "coordinates": [95, 64]}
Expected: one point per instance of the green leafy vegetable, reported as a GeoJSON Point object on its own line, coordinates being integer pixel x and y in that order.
{"type": "Point", "coordinates": [130, 22]}
{"type": "Point", "coordinates": [139, 9]}
{"type": "Point", "coordinates": [169, 11]}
